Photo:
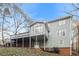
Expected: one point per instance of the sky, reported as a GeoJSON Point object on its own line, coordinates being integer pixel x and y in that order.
{"type": "Point", "coordinates": [45, 11]}
{"type": "Point", "coordinates": [39, 12]}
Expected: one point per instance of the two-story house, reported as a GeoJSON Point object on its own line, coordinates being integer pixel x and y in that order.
{"type": "Point", "coordinates": [51, 35]}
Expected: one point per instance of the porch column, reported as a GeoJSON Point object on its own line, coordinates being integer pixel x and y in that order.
{"type": "Point", "coordinates": [44, 34]}
{"type": "Point", "coordinates": [22, 42]}
{"type": "Point", "coordinates": [29, 37]}
{"type": "Point", "coordinates": [36, 41]}
{"type": "Point", "coordinates": [30, 42]}
{"type": "Point", "coordinates": [16, 42]}
{"type": "Point", "coordinates": [11, 43]}
{"type": "Point", "coordinates": [44, 42]}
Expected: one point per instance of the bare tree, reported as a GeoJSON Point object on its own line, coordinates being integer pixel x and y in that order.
{"type": "Point", "coordinates": [75, 14]}
{"type": "Point", "coordinates": [18, 22]}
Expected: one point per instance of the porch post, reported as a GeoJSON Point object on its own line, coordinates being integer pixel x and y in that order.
{"type": "Point", "coordinates": [30, 42]}
{"type": "Point", "coordinates": [22, 42]}
{"type": "Point", "coordinates": [36, 40]}
{"type": "Point", "coordinates": [44, 34]}
{"type": "Point", "coordinates": [16, 42]}
{"type": "Point", "coordinates": [44, 42]}
{"type": "Point", "coordinates": [10, 42]}
{"type": "Point", "coordinates": [30, 38]}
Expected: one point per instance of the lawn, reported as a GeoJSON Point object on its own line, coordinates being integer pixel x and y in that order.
{"type": "Point", "coordinates": [12, 51]}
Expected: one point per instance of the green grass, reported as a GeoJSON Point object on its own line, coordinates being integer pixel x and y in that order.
{"type": "Point", "coordinates": [5, 51]}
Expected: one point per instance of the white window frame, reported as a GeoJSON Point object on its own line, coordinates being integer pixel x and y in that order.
{"type": "Point", "coordinates": [60, 32]}
{"type": "Point", "coordinates": [62, 22]}
{"type": "Point", "coordinates": [64, 32]}
{"type": "Point", "coordinates": [61, 41]}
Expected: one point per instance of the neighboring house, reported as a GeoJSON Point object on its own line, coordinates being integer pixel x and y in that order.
{"type": "Point", "coordinates": [56, 34]}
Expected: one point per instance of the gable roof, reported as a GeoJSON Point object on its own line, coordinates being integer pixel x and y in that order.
{"type": "Point", "coordinates": [59, 19]}
{"type": "Point", "coordinates": [36, 23]}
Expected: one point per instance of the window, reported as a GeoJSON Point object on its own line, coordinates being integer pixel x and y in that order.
{"type": "Point", "coordinates": [61, 32]}
{"type": "Point", "coordinates": [61, 22]}
{"type": "Point", "coordinates": [38, 29]}
{"type": "Point", "coordinates": [32, 29]}
{"type": "Point", "coordinates": [61, 41]}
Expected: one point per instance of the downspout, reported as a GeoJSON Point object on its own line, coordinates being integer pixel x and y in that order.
{"type": "Point", "coordinates": [45, 34]}
{"type": "Point", "coordinates": [71, 36]}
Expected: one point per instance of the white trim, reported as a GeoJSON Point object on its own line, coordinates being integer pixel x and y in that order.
{"type": "Point", "coordinates": [62, 22]}
{"type": "Point", "coordinates": [44, 36]}
{"type": "Point", "coordinates": [60, 32]}
{"type": "Point", "coordinates": [70, 37]}
{"type": "Point", "coordinates": [30, 38]}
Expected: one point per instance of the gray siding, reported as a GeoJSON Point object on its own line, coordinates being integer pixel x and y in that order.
{"type": "Point", "coordinates": [54, 39]}
{"type": "Point", "coordinates": [37, 29]}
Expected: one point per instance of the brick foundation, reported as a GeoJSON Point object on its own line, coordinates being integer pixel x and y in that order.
{"type": "Point", "coordinates": [64, 51]}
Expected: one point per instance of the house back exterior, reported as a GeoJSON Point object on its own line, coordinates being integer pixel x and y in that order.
{"type": "Point", "coordinates": [50, 35]}
{"type": "Point", "coordinates": [57, 32]}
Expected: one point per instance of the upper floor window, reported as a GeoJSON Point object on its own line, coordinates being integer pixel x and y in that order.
{"type": "Point", "coordinates": [61, 32]}
{"type": "Point", "coordinates": [62, 22]}
{"type": "Point", "coordinates": [32, 29]}
{"type": "Point", "coordinates": [38, 28]}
